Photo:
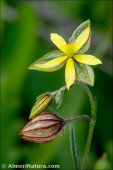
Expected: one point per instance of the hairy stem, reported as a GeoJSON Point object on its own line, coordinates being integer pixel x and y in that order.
{"type": "Point", "coordinates": [77, 118]}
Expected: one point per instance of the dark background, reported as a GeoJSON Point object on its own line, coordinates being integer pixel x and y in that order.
{"type": "Point", "coordinates": [25, 37]}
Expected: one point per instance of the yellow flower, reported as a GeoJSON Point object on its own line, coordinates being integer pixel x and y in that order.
{"type": "Point", "coordinates": [69, 53]}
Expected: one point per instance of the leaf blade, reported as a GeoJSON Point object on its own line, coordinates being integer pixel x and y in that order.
{"type": "Point", "coordinates": [74, 150]}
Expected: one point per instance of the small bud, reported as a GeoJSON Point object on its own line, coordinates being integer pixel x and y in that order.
{"type": "Point", "coordinates": [41, 104]}
{"type": "Point", "coordinates": [43, 128]}
{"type": "Point", "coordinates": [59, 98]}
{"type": "Point", "coordinates": [103, 163]}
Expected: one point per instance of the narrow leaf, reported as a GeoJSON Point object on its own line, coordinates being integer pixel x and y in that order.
{"type": "Point", "coordinates": [74, 151]}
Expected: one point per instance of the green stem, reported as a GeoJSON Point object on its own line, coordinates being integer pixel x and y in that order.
{"type": "Point", "coordinates": [91, 125]}
{"type": "Point", "coordinates": [61, 89]}
{"type": "Point", "coordinates": [74, 119]}
{"type": "Point", "coordinates": [88, 144]}
{"type": "Point", "coordinates": [91, 99]}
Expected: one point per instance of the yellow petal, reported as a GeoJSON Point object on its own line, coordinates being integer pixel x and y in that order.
{"type": "Point", "coordinates": [52, 63]}
{"type": "Point", "coordinates": [82, 38]}
{"type": "Point", "coordinates": [87, 59]}
{"type": "Point", "coordinates": [59, 42]}
{"type": "Point", "coordinates": [69, 73]}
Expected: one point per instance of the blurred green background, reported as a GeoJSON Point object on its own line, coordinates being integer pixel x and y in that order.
{"type": "Point", "coordinates": [25, 29]}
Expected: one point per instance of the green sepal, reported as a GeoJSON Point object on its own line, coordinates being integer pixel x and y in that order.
{"type": "Point", "coordinates": [84, 73]}
{"type": "Point", "coordinates": [77, 32]}
{"type": "Point", "coordinates": [59, 98]}
{"type": "Point", "coordinates": [49, 56]}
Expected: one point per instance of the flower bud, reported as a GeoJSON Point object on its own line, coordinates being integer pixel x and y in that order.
{"type": "Point", "coordinates": [43, 128]}
{"type": "Point", "coordinates": [59, 98]}
{"type": "Point", "coordinates": [103, 163]}
{"type": "Point", "coordinates": [41, 104]}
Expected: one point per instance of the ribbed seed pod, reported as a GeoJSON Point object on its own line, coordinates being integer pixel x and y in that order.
{"type": "Point", "coordinates": [43, 128]}
{"type": "Point", "coordinates": [41, 104]}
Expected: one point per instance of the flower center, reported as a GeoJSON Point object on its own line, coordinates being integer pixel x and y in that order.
{"type": "Point", "coordinates": [70, 48]}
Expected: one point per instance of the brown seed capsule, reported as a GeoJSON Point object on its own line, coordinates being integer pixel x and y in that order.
{"type": "Point", "coordinates": [43, 128]}
{"type": "Point", "coordinates": [41, 104]}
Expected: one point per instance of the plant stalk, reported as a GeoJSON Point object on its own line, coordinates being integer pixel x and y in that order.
{"type": "Point", "coordinates": [91, 125]}
{"type": "Point", "coordinates": [91, 99]}
{"type": "Point", "coordinates": [77, 118]}
{"type": "Point", "coordinates": [88, 144]}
